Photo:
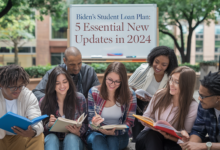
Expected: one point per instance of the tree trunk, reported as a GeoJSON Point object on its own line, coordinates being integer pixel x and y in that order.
{"type": "Point", "coordinates": [16, 53]}
{"type": "Point", "coordinates": [189, 41]}
{"type": "Point", "coordinates": [6, 9]}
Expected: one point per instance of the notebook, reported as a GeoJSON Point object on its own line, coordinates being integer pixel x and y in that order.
{"type": "Point", "coordinates": [11, 119]}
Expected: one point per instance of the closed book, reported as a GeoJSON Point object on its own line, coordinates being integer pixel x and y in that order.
{"type": "Point", "coordinates": [11, 119]}
{"type": "Point", "coordinates": [160, 125]}
{"type": "Point", "coordinates": [61, 123]}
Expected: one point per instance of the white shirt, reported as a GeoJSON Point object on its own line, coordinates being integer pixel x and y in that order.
{"type": "Point", "coordinates": [153, 87]}
{"type": "Point", "coordinates": [111, 114]}
{"type": "Point", "coordinates": [11, 106]}
{"type": "Point", "coordinates": [217, 113]}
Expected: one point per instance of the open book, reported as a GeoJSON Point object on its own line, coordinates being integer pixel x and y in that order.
{"type": "Point", "coordinates": [61, 123]}
{"type": "Point", "coordinates": [160, 125]}
{"type": "Point", "coordinates": [142, 93]}
{"type": "Point", "coordinates": [11, 119]}
{"type": "Point", "coordinates": [117, 127]}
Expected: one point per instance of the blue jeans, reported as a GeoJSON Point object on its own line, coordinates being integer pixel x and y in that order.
{"type": "Point", "coordinates": [70, 142]}
{"type": "Point", "coordinates": [99, 141]}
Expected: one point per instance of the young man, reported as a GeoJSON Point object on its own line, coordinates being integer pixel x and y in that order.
{"type": "Point", "coordinates": [83, 75]}
{"type": "Point", "coordinates": [208, 120]}
{"type": "Point", "coordinates": [16, 98]}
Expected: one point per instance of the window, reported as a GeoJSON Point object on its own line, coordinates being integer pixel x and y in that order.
{"type": "Point", "coordinates": [59, 27]}
{"type": "Point", "coordinates": [199, 46]}
{"type": "Point", "coordinates": [20, 50]}
{"type": "Point", "coordinates": [217, 57]}
{"type": "Point", "coordinates": [199, 39]}
{"type": "Point", "coordinates": [56, 58]}
{"type": "Point", "coordinates": [199, 58]}
{"type": "Point", "coordinates": [4, 50]}
{"type": "Point", "coordinates": [33, 61]}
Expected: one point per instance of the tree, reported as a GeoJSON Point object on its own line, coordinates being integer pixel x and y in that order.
{"type": "Point", "coordinates": [16, 30]}
{"type": "Point", "coordinates": [45, 7]}
{"type": "Point", "coordinates": [180, 12]}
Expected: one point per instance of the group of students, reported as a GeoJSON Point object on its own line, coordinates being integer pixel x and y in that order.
{"type": "Point", "coordinates": [72, 89]}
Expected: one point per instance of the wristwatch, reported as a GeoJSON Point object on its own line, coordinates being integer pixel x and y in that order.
{"type": "Point", "coordinates": [209, 145]}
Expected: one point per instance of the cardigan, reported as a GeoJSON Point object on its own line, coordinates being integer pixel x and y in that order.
{"type": "Point", "coordinates": [27, 106]}
{"type": "Point", "coordinates": [143, 76]}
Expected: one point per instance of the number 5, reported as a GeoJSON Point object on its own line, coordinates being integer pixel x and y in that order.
{"type": "Point", "coordinates": [77, 25]}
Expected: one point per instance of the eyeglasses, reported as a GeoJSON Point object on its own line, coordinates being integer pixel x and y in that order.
{"type": "Point", "coordinates": [15, 88]}
{"type": "Point", "coordinates": [176, 83]}
{"type": "Point", "coordinates": [202, 97]}
{"type": "Point", "coordinates": [110, 81]}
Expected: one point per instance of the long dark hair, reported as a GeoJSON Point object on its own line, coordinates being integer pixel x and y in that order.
{"type": "Point", "coordinates": [49, 103]}
{"type": "Point", "coordinates": [164, 51]}
{"type": "Point", "coordinates": [187, 81]}
{"type": "Point", "coordinates": [122, 93]}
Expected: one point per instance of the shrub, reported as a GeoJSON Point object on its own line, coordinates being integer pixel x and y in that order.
{"type": "Point", "coordinates": [37, 71]}
{"type": "Point", "coordinates": [40, 71]}
{"type": "Point", "coordinates": [208, 63]}
{"type": "Point", "coordinates": [196, 68]}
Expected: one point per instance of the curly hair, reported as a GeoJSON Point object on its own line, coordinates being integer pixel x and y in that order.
{"type": "Point", "coordinates": [212, 82]}
{"type": "Point", "coordinates": [9, 75]}
{"type": "Point", "coordinates": [165, 51]}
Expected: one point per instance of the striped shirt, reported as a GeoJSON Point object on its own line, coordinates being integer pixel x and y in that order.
{"type": "Point", "coordinates": [82, 109]}
{"type": "Point", "coordinates": [206, 122]}
{"type": "Point", "coordinates": [96, 103]}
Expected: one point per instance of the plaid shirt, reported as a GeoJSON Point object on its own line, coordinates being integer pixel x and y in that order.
{"type": "Point", "coordinates": [206, 122]}
{"type": "Point", "coordinates": [97, 103]}
{"type": "Point", "coordinates": [82, 107]}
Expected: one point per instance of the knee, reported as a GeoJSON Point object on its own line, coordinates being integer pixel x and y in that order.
{"type": "Point", "coordinates": [51, 138]}
{"type": "Point", "coordinates": [71, 137]}
{"type": "Point", "coordinates": [97, 139]}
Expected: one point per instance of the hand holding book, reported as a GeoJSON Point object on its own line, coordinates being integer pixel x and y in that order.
{"type": "Point", "coordinates": [143, 95]}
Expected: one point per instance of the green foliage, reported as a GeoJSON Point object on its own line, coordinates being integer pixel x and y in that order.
{"type": "Point", "coordinates": [196, 67]}
{"type": "Point", "coordinates": [131, 67]}
{"type": "Point", "coordinates": [38, 71]}
{"type": "Point", "coordinates": [165, 40]}
{"type": "Point", "coordinates": [16, 29]}
{"type": "Point", "coordinates": [208, 63]}
{"type": "Point", "coordinates": [44, 7]}
{"type": "Point", "coordinates": [99, 67]}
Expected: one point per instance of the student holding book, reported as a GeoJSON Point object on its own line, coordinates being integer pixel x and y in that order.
{"type": "Point", "coordinates": [151, 77]}
{"type": "Point", "coordinates": [115, 103]}
{"type": "Point", "coordinates": [16, 98]}
{"type": "Point", "coordinates": [174, 104]}
{"type": "Point", "coordinates": [62, 100]}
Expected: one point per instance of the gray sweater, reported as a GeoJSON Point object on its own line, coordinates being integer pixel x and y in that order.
{"type": "Point", "coordinates": [89, 79]}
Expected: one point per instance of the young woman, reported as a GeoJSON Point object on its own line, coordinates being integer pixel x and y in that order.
{"type": "Point", "coordinates": [174, 104]}
{"type": "Point", "coordinates": [115, 102]}
{"type": "Point", "coordinates": [151, 77]}
{"type": "Point", "coordinates": [62, 100]}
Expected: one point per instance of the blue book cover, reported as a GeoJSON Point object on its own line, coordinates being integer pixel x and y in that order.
{"type": "Point", "coordinates": [11, 119]}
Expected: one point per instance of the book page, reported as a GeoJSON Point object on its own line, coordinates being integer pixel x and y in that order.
{"type": "Point", "coordinates": [81, 118]}
{"type": "Point", "coordinates": [142, 93]}
{"type": "Point", "coordinates": [117, 127]}
{"type": "Point", "coordinates": [146, 120]}
{"type": "Point", "coordinates": [61, 123]}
